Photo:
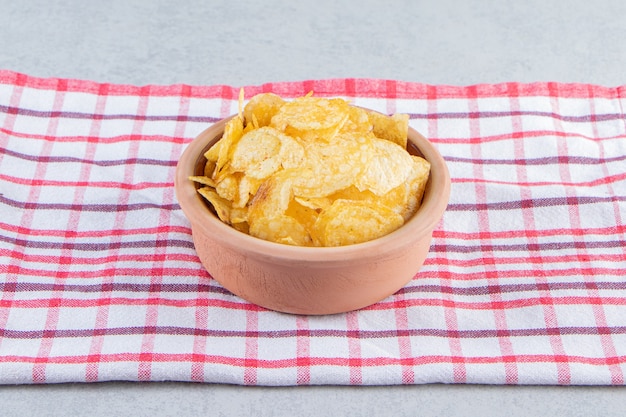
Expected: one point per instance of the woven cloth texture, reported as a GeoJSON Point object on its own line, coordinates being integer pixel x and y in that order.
{"type": "Point", "coordinates": [524, 284]}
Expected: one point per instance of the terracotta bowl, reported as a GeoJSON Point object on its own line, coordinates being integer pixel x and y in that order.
{"type": "Point", "coordinates": [310, 280]}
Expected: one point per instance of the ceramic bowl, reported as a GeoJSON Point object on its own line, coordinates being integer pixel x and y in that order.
{"type": "Point", "coordinates": [310, 280]}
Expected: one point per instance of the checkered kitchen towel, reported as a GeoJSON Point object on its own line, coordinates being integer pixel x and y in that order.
{"type": "Point", "coordinates": [525, 282]}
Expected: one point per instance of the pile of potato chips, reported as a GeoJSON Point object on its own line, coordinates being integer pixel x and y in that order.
{"type": "Point", "coordinates": [313, 172]}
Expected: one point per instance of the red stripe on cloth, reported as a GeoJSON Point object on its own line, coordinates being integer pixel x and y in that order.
{"type": "Point", "coordinates": [617, 376]}
{"type": "Point", "coordinates": [95, 233]}
{"type": "Point", "coordinates": [354, 349]}
{"type": "Point", "coordinates": [534, 262]}
{"type": "Point", "coordinates": [527, 273]}
{"type": "Point", "coordinates": [52, 313]}
{"type": "Point", "coordinates": [251, 348]}
{"type": "Point", "coordinates": [364, 87]}
{"type": "Point", "coordinates": [350, 87]}
{"type": "Point", "coordinates": [537, 135]}
{"type": "Point", "coordinates": [391, 94]}
{"type": "Point", "coordinates": [608, 180]}
{"type": "Point", "coordinates": [543, 298]}
{"type": "Point", "coordinates": [201, 315]}
{"type": "Point", "coordinates": [156, 281]}
{"type": "Point", "coordinates": [613, 230]}
{"type": "Point", "coordinates": [459, 372]}
{"type": "Point", "coordinates": [139, 271]}
{"type": "Point", "coordinates": [12, 263]}
{"type": "Point", "coordinates": [322, 361]}
{"type": "Point", "coordinates": [102, 315]}
{"type": "Point", "coordinates": [99, 262]}
{"type": "Point", "coordinates": [431, 99]}
{"type": "Point", "coordinates": [489, 264]}
{"type": "Point", "coordinates": [144, 370]}
{"type": "Point", "coordinates": [404, 341]}
{"type": "Point", "coordinates": [86, 184]}
{"type": "Point", "coordinates": [303, 351]}
{"type": "Point", "coordinates": [529, 226]}
{"type": "Point", "coordinates": [103, 140]}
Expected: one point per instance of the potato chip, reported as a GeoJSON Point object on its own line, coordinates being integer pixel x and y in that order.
{"type": "Point", "coordinates": [280, 228]}
{"type": "Point", "coordinates": [247, 187]}
{"type": "Point", "coordinates": [313, 172]}
{"type": "Point", "coordinates": [238, 216]}
{"type": "Point", "coordinates": [210, 168]}
{"type": "Point", "coordinates": [261, 152]}
{"type": "Point", "coordinates": [214, 152]}
{"type": "Point", "coordinates": [348, 222]}
{"type": "Point", "coordinates": [205, 180]}
{"type": "Point", "coordinates": [257, 152]}
{"type": "Point", "coordinates": [314, 203]}
{"type": "Point", "coordinates": [233, 131]}
{"type": "Point", "coordinates": [273, 196]}
{"type": "Point", "coordinates": [312, 118]}
{"type": "Point", "coordinates": [389, 167]}
{"type": "Point", "coordinates": [267, 213]}
{"type": "Point", "coordinates": [358, 121]}
{"type": "Point", "coordinates": [393, 128]}
{"type": "Point", "coordinates": [415, 186]}
{"type": "Point", "coordinates": [261, 108]}
{"type": "Point", "coordinates": [228, 188]}
{"type": "Point", "coordinates": [304, 214]}
{"type": "Point", "coordinates": [222, 206]}
{"type": "Point", "coordinates": [243, 227]}
{"type": "Point", "coordinates": [332, 166]}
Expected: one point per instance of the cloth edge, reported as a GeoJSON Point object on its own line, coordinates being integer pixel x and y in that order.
{"type": "Point", "coordinates": [362, 87]}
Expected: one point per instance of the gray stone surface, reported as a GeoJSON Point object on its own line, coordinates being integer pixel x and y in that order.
{"type": "Point", "coordinates": [186, 399]}
{"type": "Point", "coordinates": [248, 43]}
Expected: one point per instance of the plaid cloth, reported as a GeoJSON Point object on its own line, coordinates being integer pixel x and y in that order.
{"type": "Point", "coordinates": [525, 282]}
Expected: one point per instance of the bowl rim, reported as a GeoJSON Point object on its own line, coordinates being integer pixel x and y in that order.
{"type": "Point", "coordinates": [421, 224]}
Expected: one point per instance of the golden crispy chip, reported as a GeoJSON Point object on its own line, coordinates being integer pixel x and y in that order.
{"type": "Point", "coordinates": [304, 214]}
{"type": "Point", "coordinates": [221, 205]}
{"type": "Point", "coordinates": [247, 187]}
{"type": "Point", "coordinates": [243, 227]}
{"type": "Point", "coordinates": [311, 118]}
{"type": "Point", "coordinates": [353, 193]}
{"type": "Point", "coordinates": [348, 222]}
{"type": "Point", "coordinates": [261, 108]}
{"type": "Point", "coordinates": [358, 121]}
{"type": "Point", "coordinates": [209, 168]}
{"type": "Point", "coordinates": [261, 152]}
{"type": "Point", "coordinates": [228, 188]}
{"type": "Point", "coordinates": [239, 216]}
{"type": "Point", "coordinates": [389, 167]}
{"type": "Point", "coordinates": [313, 172]}
{"type": "Point", "coordinates": [273, 196]}
{"type": "Point", "coordinates": [240, 103]}
{"type": "Point", "coordinates": [332, 166]}
{"type": "Point", "coordinates": [280, 228]}
{"type": "Point", "coordinates": [415, 186]}
{"type": "Point", "coordinates": [393, 128]}
{"type": "Point", "coordinates": [314, 203]}
{"type": "Point", "coordinates": [257, 152]}
{"type": "Point", "coordinates": [233, 131]}
{"type": "Point", "coordinates": [406, 198]}
{"type": "Point", "coordinates": [214, 152]}
{"type": "Point", "coordinates": [267, 213]}
{"type": "Point", "coordinates": [204, 180]}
